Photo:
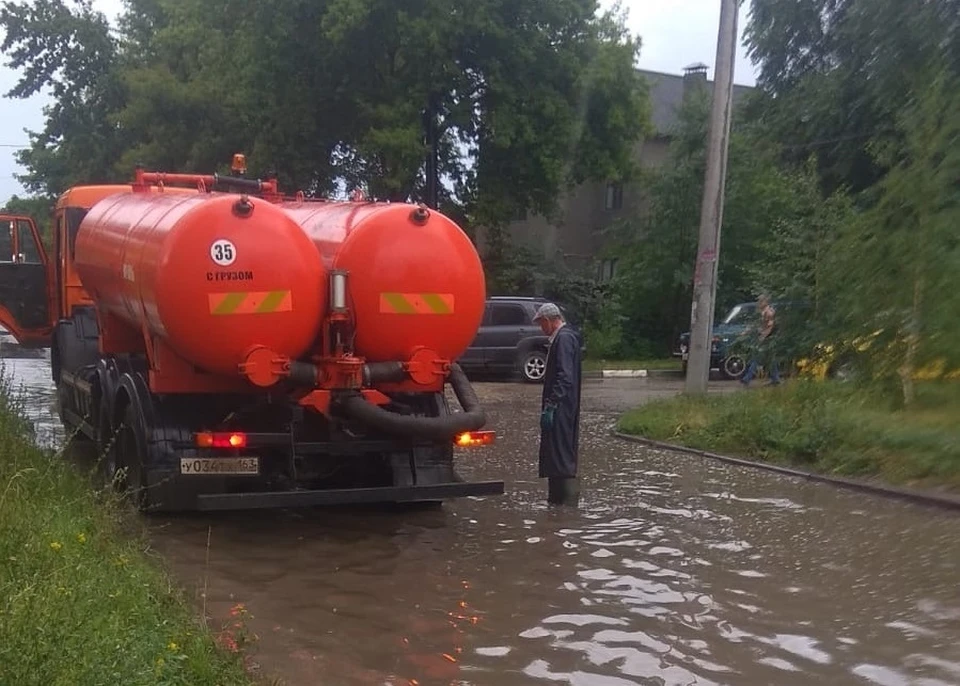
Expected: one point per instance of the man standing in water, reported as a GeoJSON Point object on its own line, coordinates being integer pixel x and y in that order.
{"type": "Point", "coordinates": [560, 408]}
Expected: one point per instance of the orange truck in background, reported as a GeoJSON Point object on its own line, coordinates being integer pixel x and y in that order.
{"type": "Point", "coordinates": [228, 347]}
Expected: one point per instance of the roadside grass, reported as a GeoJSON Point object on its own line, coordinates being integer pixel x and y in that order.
{"type": "Point", "coordinates": [593, 365]}
{"type": "Point", "coordinates": [80, 600]}
{"type": "Point", "coordinates": [828, 427]}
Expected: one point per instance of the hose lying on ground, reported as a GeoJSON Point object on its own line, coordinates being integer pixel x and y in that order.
{"type": "Point", "coordinates": [444, 428]}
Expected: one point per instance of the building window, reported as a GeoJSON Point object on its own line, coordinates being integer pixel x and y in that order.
{"type": "Point", "coordinates": [608, 270]}
{"type": "Point", "coordinates": [614, 197]}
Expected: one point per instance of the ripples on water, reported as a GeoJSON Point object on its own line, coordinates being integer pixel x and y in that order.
{"type": "Point", "coordinates": [673, 571]}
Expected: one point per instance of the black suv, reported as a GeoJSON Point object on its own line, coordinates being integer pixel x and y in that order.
{"type": "Point", "coordinates": [508, 340]}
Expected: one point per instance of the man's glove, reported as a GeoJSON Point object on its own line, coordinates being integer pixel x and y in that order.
{"type": "Point", "coordinates": [546, 417]}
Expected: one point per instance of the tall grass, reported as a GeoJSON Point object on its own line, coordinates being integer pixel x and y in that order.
{"type": "Point", "coordinates": [81, 603]}
{"type": "Point", "coordinates": [829, 427]}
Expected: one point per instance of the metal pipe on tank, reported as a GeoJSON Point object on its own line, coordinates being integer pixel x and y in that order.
{"type": "Point", "coordinates": [338, 291]}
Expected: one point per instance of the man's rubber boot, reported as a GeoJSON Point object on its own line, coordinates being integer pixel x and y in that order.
{"type": "Point", "coordinates": [563, 491]}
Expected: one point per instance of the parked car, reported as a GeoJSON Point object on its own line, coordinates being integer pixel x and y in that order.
{"type": "Point", "coordinates": [509, 341]}
{"type": "Point", "coordinates": [842, 360]}
{"type": "Point", "coordinates": [728, 348]}
{"type": "Point", "coordinates": [731, 363]}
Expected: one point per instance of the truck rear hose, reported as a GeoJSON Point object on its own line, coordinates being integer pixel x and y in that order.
{"type": "Point", "coordinates": [445, 428]}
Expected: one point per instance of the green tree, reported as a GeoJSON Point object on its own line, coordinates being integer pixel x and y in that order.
{"type": "Point", "coordinates": [529, 96]}
{"type": "Point", "coordinates": [71, 52]}
{"type": "Point", "coordinates": [871, 88]}
{"type": "Point", "coordinates": [794, 261]}
{"type": "Point", "coordinates": [656, 267]}
{"type": "Point", "coordinates": [659, 247]}
{"type": "Point", "coordinates": [837, 71]}
{"type": "Point", "coordinates": [895, 270]}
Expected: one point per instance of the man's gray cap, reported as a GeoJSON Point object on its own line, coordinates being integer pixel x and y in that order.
{"type": "Point", "coordinates": [547, 311]}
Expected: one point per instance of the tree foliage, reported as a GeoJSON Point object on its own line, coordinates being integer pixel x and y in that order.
{"type": "Point", "coordinates": [71, 52]}
{"type": "Point", "coordinates": [658, 249]}
{"type": "Point", "coordinates": [528, 96]}
{"type": "Point", "coordinates": [895, 270]}
{"type": "Point", "coordinates": [838, 70]}
{"type": "Point", "coordinates": [877, 83]}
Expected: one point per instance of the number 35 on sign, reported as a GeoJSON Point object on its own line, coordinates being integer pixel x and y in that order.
{"type": "Point", "coordinates": [223, 252]}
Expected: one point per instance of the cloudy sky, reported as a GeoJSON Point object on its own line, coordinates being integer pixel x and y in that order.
{"type": "Point", "coordinates": [675, 33]}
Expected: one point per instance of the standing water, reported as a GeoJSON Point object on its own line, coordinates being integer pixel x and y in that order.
{"type": "Point", "coordinates": [673, 571]}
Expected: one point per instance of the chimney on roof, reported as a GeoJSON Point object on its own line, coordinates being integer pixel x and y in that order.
{"type": "Point", "coordinates": [694, 76]}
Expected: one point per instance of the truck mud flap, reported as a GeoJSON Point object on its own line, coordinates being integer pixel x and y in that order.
{"type": "Point", "coordinates": [401, 494]}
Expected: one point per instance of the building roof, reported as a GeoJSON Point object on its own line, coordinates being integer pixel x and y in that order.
{"type": "Point", "coordinates": [666, 96]}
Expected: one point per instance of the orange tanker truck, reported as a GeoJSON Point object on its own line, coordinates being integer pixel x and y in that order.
{"type": "Point", "coordinates": [228, 347]}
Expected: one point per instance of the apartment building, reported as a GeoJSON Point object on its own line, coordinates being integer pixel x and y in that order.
{"type": "Point", "coordinates": [579, 235]}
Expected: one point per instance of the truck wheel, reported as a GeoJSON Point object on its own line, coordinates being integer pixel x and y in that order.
{"type": "Point", "coordinates": [533, 365]}
{"type": "Point", "coordinates": [129, 453]}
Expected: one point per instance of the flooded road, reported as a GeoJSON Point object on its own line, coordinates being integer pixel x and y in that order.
{"type": "Point", "coordinates": [673, 571]}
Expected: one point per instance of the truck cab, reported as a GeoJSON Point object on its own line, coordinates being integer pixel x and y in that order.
{"type": "Point", "coordinates": [25, 307]}
{"type": "Point", "coordinates": [38, 290]}
{"type": "Point", "coordinates": [43, 303]}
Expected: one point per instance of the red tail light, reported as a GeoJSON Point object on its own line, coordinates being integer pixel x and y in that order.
{"type": "Point", "coordinates": [220, 440]}
{"type": "Point", "coordinates": [472, 439]}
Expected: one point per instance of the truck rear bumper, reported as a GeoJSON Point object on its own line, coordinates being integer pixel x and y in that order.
{"type": "Point", "coordinates": [343, 496]}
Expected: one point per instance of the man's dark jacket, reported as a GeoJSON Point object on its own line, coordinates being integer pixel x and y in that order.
{"type": "Point", "coordinates": [559, 444]}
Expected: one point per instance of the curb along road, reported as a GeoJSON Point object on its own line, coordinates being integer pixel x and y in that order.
{"type": "Point", "coordinates": [633, 374]}
{"type": "Point", "coordinates": [914, 496]}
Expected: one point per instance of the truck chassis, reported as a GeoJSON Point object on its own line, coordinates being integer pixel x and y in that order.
{"type": "Point", "coordinates": [147, 443]}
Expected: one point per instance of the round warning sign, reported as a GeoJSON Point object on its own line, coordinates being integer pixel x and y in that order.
{"type": "Point", "coordinates": [223, 252]}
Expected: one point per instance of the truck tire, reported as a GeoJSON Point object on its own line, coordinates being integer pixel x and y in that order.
{"type": "Point", "coordinates": [533, 366]}
{"type": "Point", "coordinates": [128, 452]}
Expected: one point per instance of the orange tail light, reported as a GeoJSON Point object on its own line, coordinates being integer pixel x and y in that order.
{"type": "Point", "coordinates": [472, 439]}
{"type": "Point", "coordinates": [220, 440]}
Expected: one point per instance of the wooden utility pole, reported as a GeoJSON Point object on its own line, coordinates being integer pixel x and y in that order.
{"type": "Point", "coordinates": [711, 209]}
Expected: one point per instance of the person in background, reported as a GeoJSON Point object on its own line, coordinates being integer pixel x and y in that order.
{"type": "Point", "coordinates": [560, 408]}
{"type": "Point", "coordinates": [765, 344]}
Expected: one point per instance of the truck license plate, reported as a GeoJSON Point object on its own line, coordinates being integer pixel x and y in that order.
{"type": "Point", "coordinates": [220, 465]}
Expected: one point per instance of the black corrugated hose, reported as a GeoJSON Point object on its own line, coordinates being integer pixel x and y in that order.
{"type": "Point", "coordinates": [445, 428]}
